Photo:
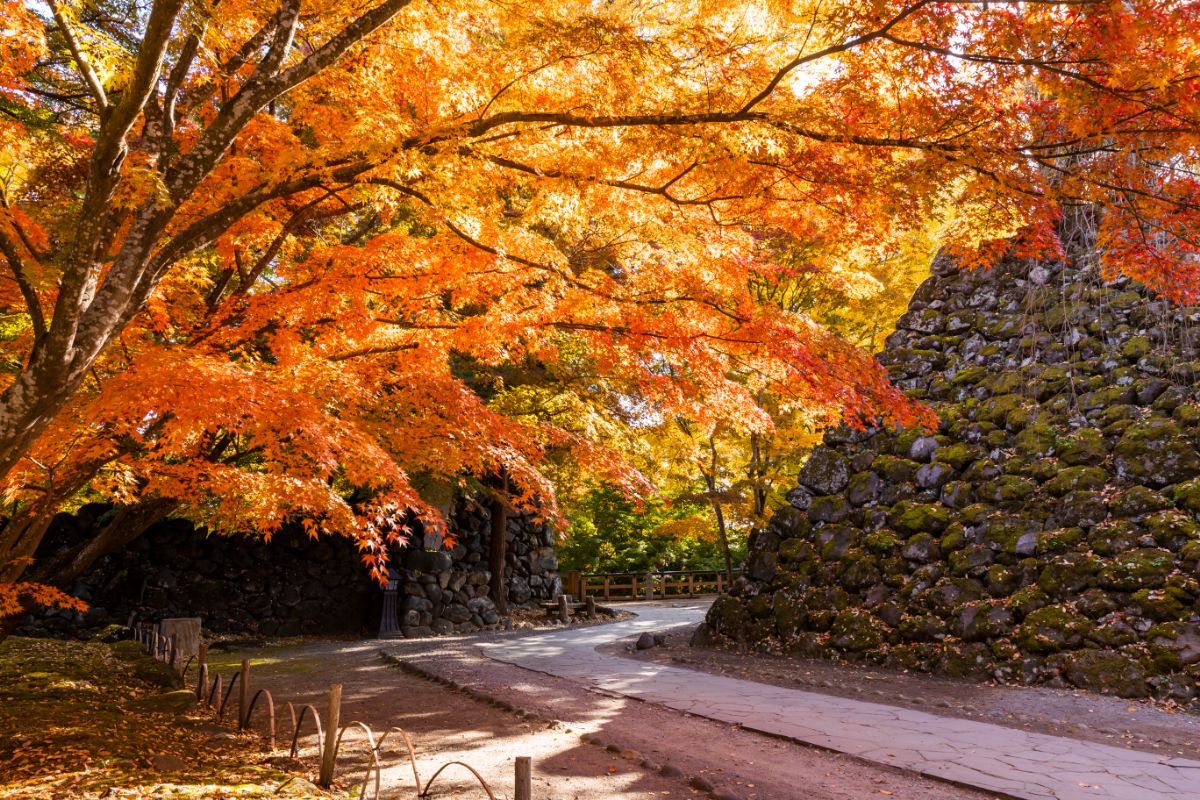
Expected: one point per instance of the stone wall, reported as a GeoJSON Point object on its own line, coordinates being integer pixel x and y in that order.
{"type": "Point", "coordinates": [1046, 532]}
{"type": "Point", "coordinates": [294, 585]}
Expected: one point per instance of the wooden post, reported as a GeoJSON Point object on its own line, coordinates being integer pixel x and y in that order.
{"type": "Point", "coordinates": [564, 611]}
{"type": "Point", "coordinates": [606, 588]}
{"type": "Point", "coordinates": [691, 585]}
{"type": "Point", "coordinates": [202, 671]}
{"type": "Point", "coordinates": [591, 606]}
{"type": "Point", "coordinates": [575, 584]}
{"type": "Point", "coordinates": [649, 586]}
{"type": "Point", "coordinates": [331, 728]}
{"type": "Point", "coordinates": [244, 695]}
{"type": "Point", "coordinates": [524, 785]}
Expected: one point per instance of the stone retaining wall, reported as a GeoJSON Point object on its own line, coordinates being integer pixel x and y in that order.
{"type": "Point", "coordinates": [294, 585]}
{"type": "Point", "coordinates": [1046, 532]}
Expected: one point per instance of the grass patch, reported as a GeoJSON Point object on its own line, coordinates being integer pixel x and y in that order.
{"type": "Point", "coordinates": [66, 731]}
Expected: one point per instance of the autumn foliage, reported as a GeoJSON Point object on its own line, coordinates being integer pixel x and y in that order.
{"type": "Point", "coordinates": [271, 260]}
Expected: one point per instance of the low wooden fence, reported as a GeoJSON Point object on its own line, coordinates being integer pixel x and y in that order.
{"type": "Point", "coordinates": [329, 738]}
{"type": "Point", "coordinates": [647, 585]}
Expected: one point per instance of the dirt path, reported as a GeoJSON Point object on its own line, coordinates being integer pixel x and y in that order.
{"type": "Point", "coordinates": [451, 725]}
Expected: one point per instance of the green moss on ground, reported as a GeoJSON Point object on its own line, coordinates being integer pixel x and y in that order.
{"type": "Point", "coordinates": [74, 721]}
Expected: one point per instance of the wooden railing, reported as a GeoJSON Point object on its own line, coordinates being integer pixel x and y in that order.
{"type": "Point", "coordinates": [646, 585]}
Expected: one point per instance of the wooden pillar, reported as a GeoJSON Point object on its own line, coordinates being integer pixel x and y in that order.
{"type": "Point", "coordinates": [606, 588]}
{"type": "Point", "coordinates": [523, 790]}
{"type": "Point", "coordinates": [331, 728]}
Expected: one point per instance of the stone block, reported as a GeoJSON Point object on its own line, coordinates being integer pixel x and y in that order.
{"type": "Point", "coordinates": [186, 631]}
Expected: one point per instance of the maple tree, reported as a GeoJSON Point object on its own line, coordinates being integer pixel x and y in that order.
{"type": "Point", "coordinates": [256, 252]}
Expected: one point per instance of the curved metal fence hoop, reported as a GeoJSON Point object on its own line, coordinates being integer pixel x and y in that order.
{"type": "Point", "coordinates": [482, 782]}
{"type": "Point", "coordinates": [270, 711]}
{"type": "Point", "coordinates": [186, 666]}
{"type": "Point", "coordinates": [229, 691]}
{"type": "Point", "coordinates": [337, 745]}
{"type": "Point", "coordinates": [296, 725]}
{"type": "Point", "coordinates": [412, 756]}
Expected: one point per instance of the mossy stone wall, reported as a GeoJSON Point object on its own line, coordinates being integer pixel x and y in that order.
{"type": "Point", "coordinates": [1045, 532]}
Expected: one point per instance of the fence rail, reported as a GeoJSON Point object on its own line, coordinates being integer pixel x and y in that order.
{"type": "Point", "coordinates": [647, 585]}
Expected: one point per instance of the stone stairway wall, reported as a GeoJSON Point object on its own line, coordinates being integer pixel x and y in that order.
{"type": "Point", "coordinates": [1045, 532]}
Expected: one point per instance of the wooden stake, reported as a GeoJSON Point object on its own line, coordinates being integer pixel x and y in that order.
{"type": "Point", "coordinates": [331, 729]}
{"type": "Point", "coordinates": [524, 785]}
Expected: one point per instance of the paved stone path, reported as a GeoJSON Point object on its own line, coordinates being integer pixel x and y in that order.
{"type": "Point", "coordinates": [975, 754]}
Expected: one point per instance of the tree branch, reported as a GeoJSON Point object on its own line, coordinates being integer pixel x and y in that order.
{"type": "Point", "coordinates": [34, 306]}
{"type": "Point", "coordinates": [85, 67]}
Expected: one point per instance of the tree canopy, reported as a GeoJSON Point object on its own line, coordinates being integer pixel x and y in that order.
{"type": "Point", "coordinates": [271, 259]}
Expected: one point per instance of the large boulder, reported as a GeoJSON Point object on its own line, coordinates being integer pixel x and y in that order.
{"type": "Point", "coordinates": [1106, 671]}
{"type": "Point", "coordinates": [825, 472]}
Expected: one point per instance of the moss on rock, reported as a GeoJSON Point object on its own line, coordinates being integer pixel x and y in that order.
{"type": "Point", "coordinates": [1077, 478]}
{"type": "Point", "coordinates": [1106, 671]}
{"type": "Point", "coordinates": [1140, 569]}
{"type": "Point", "coordinates": [911, 518]}
{"type": "Point", "coordinates": [1051, 629]}
{"type": "Point", "coordinates": [1036, 441]}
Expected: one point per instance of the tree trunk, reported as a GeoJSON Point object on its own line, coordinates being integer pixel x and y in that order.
{"type": "Point", "coordinates": [756, 470]}
{"type": "Point", "coordinates": [60, 571]}
{"type": "Point", "coordinates": [756, 475]}
{"type": "Point", "coordinates": [710, 480]}
{"type": "Point", "coordinates": [496, 554]}
{"type": "Point", "coordinates": [20, 538]}
{"type": "Point", "coordinates": [130, 522]}
{"type": "Point", "coordinates": [724, 542]}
